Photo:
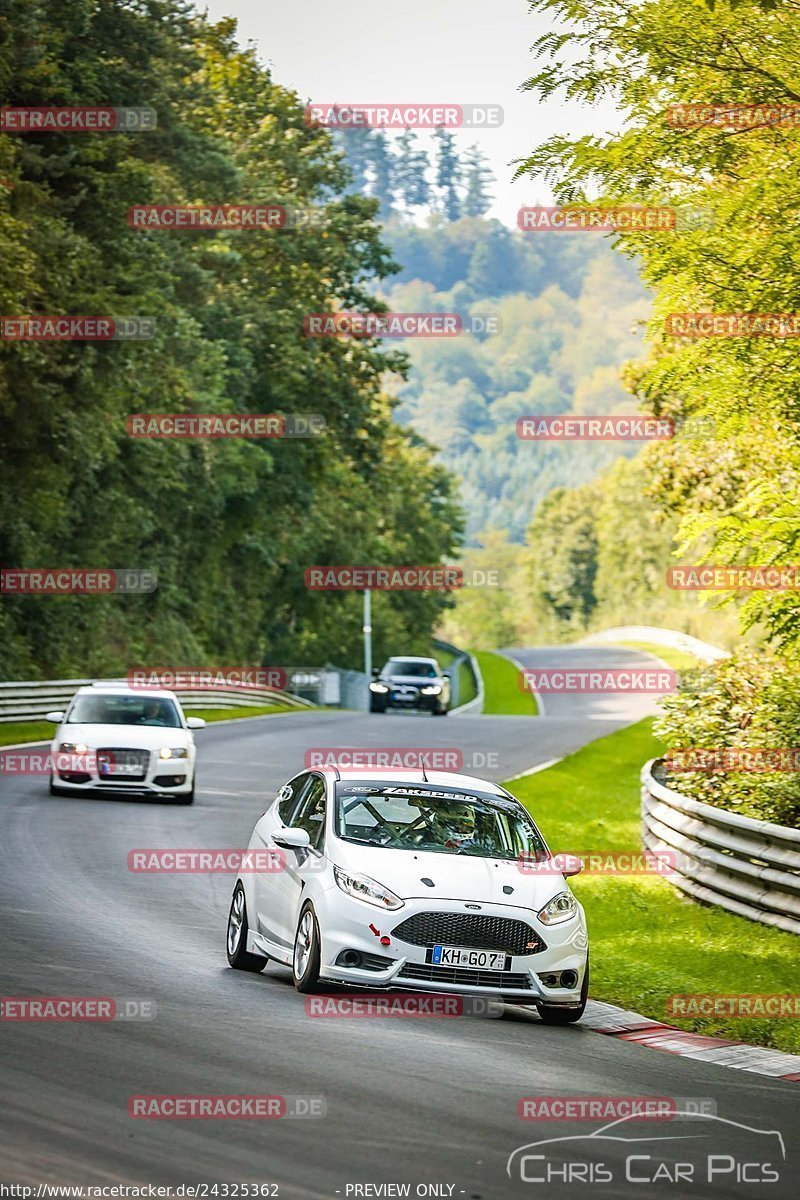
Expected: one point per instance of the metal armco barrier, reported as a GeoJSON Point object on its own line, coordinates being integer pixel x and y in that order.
{"type": "Point", "coordinates": [746, 866]}
{"type": "Point", "coordinates": [31, 700]}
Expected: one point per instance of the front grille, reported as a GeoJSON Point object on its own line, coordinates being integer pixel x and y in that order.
{"type": "Point", "coordinates": [426, 973]}
{"type": "Point", "coordinates": [471, 930]}
{"type": "Point", "coordinates": [133, 764]}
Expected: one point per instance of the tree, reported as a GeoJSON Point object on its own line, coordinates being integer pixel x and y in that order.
{"type": "Point", "coordinates": [448, 174]}
{"type": "Point", "coordinates": [478, 178]}
{"type": "Point", "coordinates": [410, 171]}
{"type": "Point", "coordinates": [737, 490]}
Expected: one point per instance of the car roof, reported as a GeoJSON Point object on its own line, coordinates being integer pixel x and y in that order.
{"type": "Point", "coordinates": [464, 783]}
{"type": "Point", "coordinates": [123, 689]}
{"type": "Point", "coordinates": [411, 657]}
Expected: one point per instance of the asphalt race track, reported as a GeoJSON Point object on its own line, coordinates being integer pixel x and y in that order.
{"type": "Point", "coordinates": [408, 1101]}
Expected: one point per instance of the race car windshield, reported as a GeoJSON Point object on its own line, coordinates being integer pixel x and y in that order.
{"type": "Point", "coordinates": [409, 666]}
{"type": "Point", "coordinates": [125, 710]}
{"type": "Point", "coordinates": [442, 822]}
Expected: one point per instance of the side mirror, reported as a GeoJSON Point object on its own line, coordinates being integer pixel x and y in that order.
{"type": "Point", "coordinates": [195, 723]}
{"type": "Point", "coordinates": [376, 672]}
{"type": "Point", "coordinates": [570, 864]}
{"type": "Point", "coordinates": [292, 839]}
{"type": "Point", "coordinates": [55, 717]}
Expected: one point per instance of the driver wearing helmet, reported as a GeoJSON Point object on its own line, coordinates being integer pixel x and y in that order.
{"type": "Point", "coordinates": [453, 826]}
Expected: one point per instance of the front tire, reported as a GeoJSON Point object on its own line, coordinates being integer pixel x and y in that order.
{"type": "Point", "coordinates": [552, 1014]}
{"type": "Point", "coordinates": [306, 956]}
{"type": "Point", "coordinates": [239, 956]}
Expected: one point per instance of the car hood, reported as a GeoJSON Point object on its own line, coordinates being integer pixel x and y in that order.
{"type": "Point", "coordinates": [454, 876]}
{"type": "Point", "coordinates": [140, 737]}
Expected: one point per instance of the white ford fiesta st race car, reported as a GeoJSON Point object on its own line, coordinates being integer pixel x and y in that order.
{"type": "Point", "coordinates": [120, 740]}
{"type": "Point", "coordinates": [430, 883]}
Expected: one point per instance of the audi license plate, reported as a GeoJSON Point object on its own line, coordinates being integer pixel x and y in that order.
{"type": "Point", "coordinates": [455, 956]}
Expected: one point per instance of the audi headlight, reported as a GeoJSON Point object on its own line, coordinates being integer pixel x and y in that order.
{"type": "Point", "coordinates": [361, 887]}
{"type": "Point", "coordinates": [173, 752]}
{"type": "Point", "coordinates": [73, 748]}
{"type": "Point", "coordinates": [378, 687]}
{"type": "Point", "coordinates": [432, 690]}
{"type": "Point", "coordinates": [562, 907]}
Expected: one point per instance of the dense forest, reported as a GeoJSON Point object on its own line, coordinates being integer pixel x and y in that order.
{"type": "Point", "coordinates": [230, 525]}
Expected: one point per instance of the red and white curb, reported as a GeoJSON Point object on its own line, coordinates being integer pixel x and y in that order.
{"type": "Point", "coordinates": [633, 1027]}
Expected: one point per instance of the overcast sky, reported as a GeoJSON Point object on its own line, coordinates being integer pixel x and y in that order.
{"type": "Point", "coordinates": [457, 51]}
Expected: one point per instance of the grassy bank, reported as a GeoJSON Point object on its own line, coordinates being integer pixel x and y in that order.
{"type": "Point", "coordinates": [464, 680]}
{"type": "Point", "coordinates": [679, 660]}
{"type": "Point", "coordinates": [502, 694]}
{"type": "Point", "coordinates": [648, 940]}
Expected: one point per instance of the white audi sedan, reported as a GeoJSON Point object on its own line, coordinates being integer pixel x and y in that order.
{"type": "Point", "coordinates": [122, 740]}
{"type": "Point", "coordinates": [430, 882]}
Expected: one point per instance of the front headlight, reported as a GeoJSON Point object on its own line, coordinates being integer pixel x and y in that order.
{"type": "Point", "coordinates": [361, 887]}
{"type": "Point", "coordinates": [378, 687]}
{"type": "Point", "coordinates": [73, 748]}
{"type": "Point", "coordinates": [562, 907]}
{"type": "Point", "coordinates": [173, 752]}
{"type": "Point", "coordinates": [432, 690]}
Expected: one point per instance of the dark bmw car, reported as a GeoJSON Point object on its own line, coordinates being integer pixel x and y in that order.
{"type": "Point", "coordinates": [412, 683]}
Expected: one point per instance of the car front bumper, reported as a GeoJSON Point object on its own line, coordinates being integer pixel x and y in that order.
{"type": "Point", "coordinates": [349, 925]}
{"type": "Point", "coordinates": [161, 777]}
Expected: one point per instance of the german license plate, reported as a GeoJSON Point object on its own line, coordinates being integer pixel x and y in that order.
{"type": "Point", "coordinates": [456, 956]}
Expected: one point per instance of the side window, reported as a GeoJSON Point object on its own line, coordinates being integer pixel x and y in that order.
{"type": "Point", "coordinates": [288, 796]}
{"type": "Point", "coordinates": [311, 814]}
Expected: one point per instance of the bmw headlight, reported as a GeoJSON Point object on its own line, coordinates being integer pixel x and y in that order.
{"type": "Point", "coordinates": [361, 887]}
{"type": "Point", "coordinates": [432, 690]}
{"type": "Point", "coordinates": [73, 748]}
{"type": "Point", "coordinates": [173, 752]}
{"type": "Point", "coordinates": [378, 687]}
{"type": "Point", "coordinates": [562, 907]}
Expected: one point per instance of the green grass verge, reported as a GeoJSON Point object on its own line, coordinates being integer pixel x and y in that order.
{"type": "Point", "coordinates": [12, 732]}
{"type": "Point", "coordinates": [649, 941]}
{"type": "Point", "coordinates": [501, 692]}
{"type": "Point", "coordinates": [229, 714]}
{"type": "Point", "coordinates": [465, 683]}
{"type": "Point", "coordinates": [679, 660]}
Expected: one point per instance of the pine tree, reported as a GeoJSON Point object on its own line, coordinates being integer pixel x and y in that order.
{"type": "Point", "coordinates": [411, 171]}
{"type": "Point", "coordinates": [448, 174]}
{"type": "Point", "coordinates": [478, 180]}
